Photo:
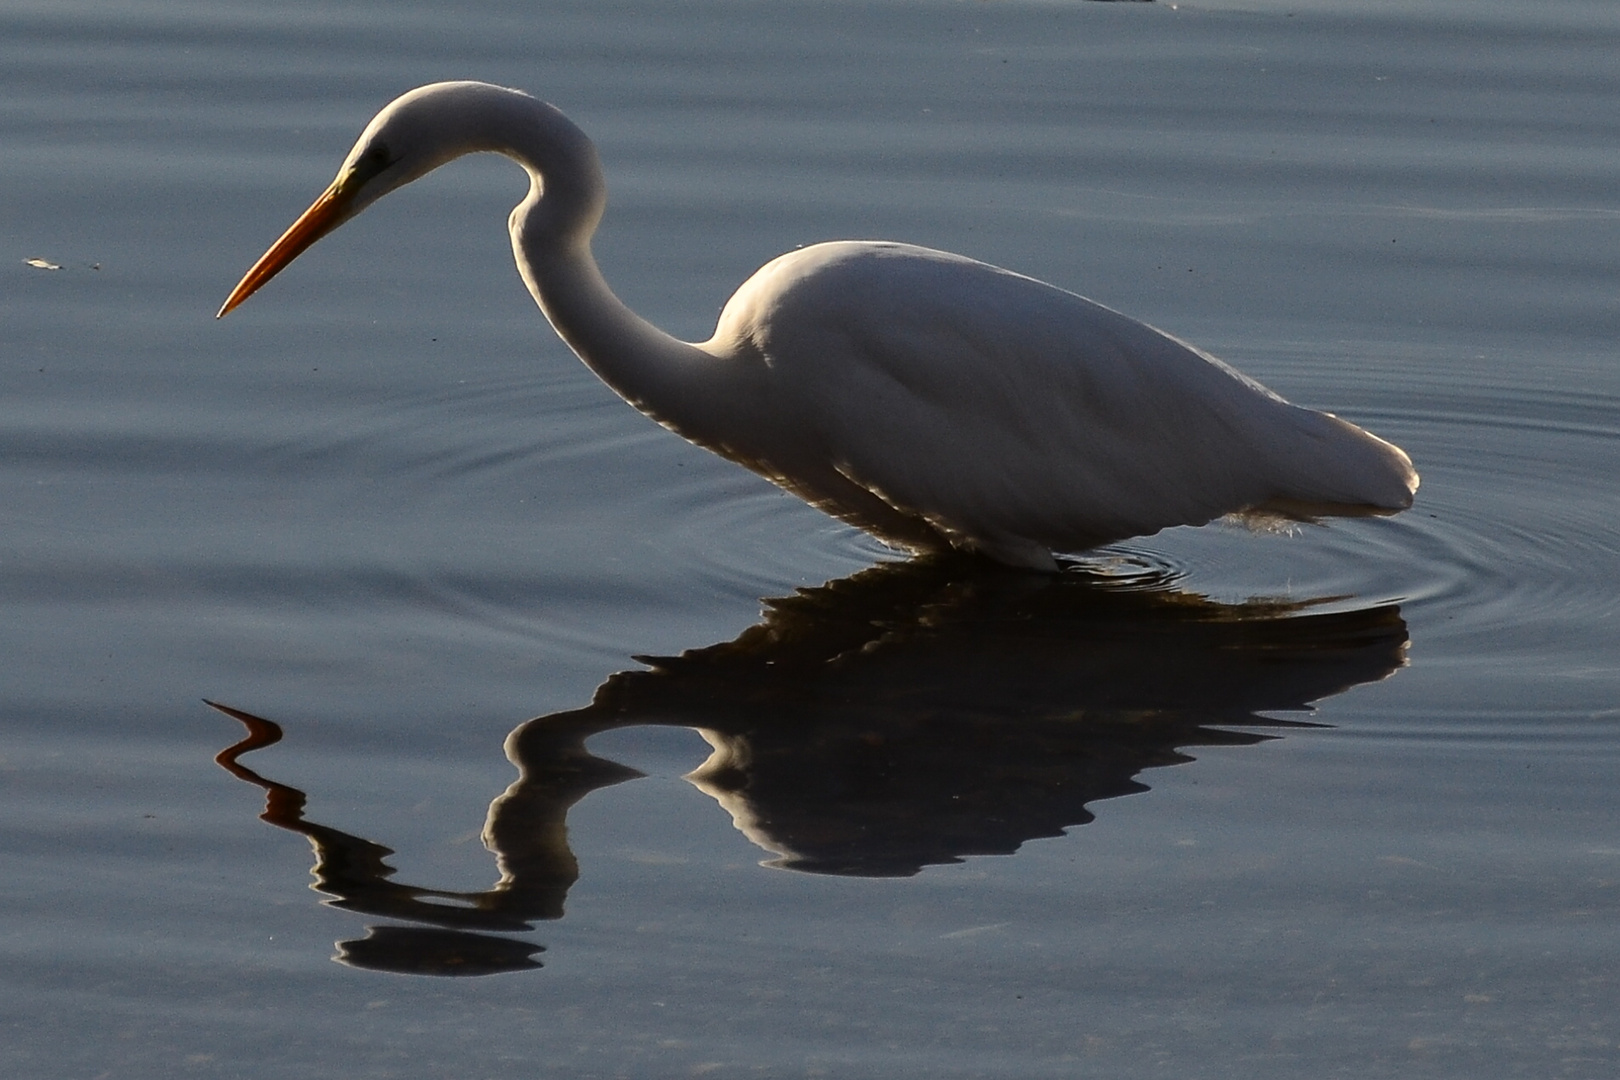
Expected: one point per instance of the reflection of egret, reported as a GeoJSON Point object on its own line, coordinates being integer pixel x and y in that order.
{"type": "Point", "coordinates": [903, 717]}
{"type": "Point", "coordinates": [935, 401]}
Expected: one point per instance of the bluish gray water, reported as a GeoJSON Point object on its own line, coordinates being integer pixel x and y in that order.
{"type": "Point", "coordinates": [1012, 829]}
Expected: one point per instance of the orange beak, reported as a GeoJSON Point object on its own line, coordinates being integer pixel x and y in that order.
{"type": "Point", "coordinates": [328, 212]}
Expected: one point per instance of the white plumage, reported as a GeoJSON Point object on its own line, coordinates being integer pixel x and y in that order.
{"type": "Point", "coordinates": [930, 399]}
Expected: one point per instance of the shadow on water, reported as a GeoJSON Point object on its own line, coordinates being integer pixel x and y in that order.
{"type": "Point", "coordinates": [911, 715]}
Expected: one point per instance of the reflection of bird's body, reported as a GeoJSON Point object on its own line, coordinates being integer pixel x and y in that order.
{"type": "Point", "coordinates": [930, 399]}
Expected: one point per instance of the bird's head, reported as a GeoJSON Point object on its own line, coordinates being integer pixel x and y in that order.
{"type": "Point", "coordinates": [415, 134]}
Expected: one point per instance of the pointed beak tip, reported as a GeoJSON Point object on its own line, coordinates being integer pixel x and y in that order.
{"type": "Point", "coordinates": [321, 218]}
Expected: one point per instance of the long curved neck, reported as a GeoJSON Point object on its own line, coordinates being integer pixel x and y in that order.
{"type": "Point", "coordinates": [672, 381]}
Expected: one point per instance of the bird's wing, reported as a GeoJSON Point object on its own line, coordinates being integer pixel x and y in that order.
{"type": "Point", "coordinates": [993, 404]}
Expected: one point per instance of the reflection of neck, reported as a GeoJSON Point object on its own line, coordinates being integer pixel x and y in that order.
{"type": "Point", "coordinates": [526, 831]}
{"type": "Point", "coordinates": [527, 826]}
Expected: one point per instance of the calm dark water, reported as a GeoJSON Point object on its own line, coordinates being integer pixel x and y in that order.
{"type": "Point", "coordinates": [1216, 804]}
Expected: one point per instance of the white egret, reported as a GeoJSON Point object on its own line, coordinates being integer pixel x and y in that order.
{"type": "Point", "coordinates": [935, 401]}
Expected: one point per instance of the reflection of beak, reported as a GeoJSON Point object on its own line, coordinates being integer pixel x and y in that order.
{"type": "Point", "coordinates": [329, 211]}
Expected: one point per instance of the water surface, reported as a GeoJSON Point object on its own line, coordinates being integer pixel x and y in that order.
{"type": "Point", "coordinates": [1211, 804]}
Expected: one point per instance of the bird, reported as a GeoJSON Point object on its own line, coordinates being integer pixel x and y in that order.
{"type": "Point", "coordinates": [937, 402]}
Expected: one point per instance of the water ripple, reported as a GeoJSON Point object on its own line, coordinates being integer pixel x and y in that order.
{"type": "Point", "coordinates": [1513, 521]}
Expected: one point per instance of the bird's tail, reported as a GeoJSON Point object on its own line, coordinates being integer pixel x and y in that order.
{"type": "Point", "coordinates": [1338, 469]}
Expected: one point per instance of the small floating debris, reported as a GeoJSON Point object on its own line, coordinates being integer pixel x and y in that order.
{"type": "Point", "coordinates": [41, 264]}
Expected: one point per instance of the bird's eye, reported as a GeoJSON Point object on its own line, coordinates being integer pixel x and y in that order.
{"type": "Point", "coordinates": [373, 161]}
